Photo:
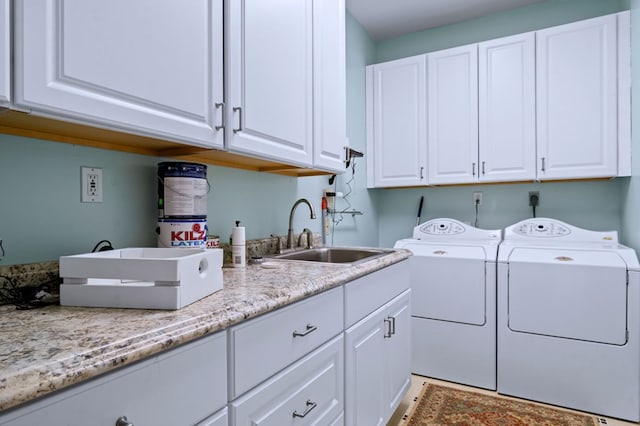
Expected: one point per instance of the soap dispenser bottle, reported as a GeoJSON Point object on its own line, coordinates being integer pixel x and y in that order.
{"type": "Point", "coordinates": [238, 246]}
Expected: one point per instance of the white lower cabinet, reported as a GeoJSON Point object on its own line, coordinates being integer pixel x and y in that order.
{"type": "Point", "coordinates": [261, 347]}
{"type": "Point", "coordinates": [309, 392]}
{"type": "Point", "coordinates": [180, 387]}
{"type": "Point", "coordinates": [377, 349]}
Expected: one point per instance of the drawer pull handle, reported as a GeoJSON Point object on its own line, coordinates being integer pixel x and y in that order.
{"type": "Point", "coordinates": [239, 111]}
{"type": "Point", "coordinates": [122, 421]}
{"type": "Point", "coordinates": [310, 406]}
{"type": "Point", "coordinates": [220, 105]}
{"type": "Point", "coordinates": [309, 329]}
{"type": "Point", "coordinates": [389, 333]}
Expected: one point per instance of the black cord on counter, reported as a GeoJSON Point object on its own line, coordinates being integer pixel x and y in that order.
{"type": "Point", "coordinates": [26, 297]}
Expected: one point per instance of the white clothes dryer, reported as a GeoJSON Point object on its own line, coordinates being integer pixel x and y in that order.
{"type": "Point", "coordinates": [453, 311]}
{"type": "Point", "coordinates": [568, 318]}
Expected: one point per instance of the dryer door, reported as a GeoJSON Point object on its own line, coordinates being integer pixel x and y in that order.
{"type": "Point", "coordinates": [574, 294]}
{"type": "Point", "coordinates": [448, 283]}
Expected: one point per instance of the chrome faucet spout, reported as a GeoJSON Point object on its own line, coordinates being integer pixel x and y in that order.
{"type": "Point", "coordinates": [290, 236]}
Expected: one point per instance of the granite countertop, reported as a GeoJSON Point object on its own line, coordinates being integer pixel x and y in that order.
{"type": "Point", "coordinates": [47, 349]}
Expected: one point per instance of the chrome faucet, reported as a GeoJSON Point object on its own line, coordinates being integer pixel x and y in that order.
{"type": "Point", "coordinates": [290, 237]}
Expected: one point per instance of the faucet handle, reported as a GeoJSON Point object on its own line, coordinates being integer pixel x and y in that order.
{"type": "Point", "coordinates": [309, 234]}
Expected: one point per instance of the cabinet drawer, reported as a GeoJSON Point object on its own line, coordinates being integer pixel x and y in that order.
{"type": "Point", "coordinates": [180, 387]}
{"type": "Point", "coordinates": [261, 347]}
{"type": "Point", "coordinates": [368, 293]}
{"type": "Point", "coordinates": [314, 386]}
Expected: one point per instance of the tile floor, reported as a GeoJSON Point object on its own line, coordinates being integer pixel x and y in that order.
{"type": "Point", "coordinates": [416, 386]}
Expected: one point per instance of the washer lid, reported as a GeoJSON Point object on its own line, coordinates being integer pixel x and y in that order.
{"type": "Point", "coordinates": [571, 294]}
{"type": "Point", "coordinates": [572, 257]}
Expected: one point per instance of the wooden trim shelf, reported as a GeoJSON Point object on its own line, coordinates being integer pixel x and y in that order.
{"type": "Point", "coordinates": [27, 125]}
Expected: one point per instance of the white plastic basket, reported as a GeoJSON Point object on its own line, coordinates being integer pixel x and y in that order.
{"type": "Point", "coordinates": [145, 278]}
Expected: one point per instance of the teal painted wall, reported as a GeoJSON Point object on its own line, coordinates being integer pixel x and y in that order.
{"type": "Point", "coordinates": [593, 205]}
{"type": "Point", "coordinates": [43, 218]}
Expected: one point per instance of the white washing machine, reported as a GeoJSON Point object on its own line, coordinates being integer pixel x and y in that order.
{"type": "Point", "coordinates": [568, 322]}
{"type": "Point", "coordinates": [453, 284]}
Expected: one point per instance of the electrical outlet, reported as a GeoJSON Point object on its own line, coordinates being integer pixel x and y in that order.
{"type": "Point", "coordinates": [534, 198]}
{"type": "Point", "coordinates": [91, 184]}
{"type": "Point", "coordinates": [477, 198]}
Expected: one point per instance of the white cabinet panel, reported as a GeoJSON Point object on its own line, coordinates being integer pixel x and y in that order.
{"type": "Point", "coordinates": [329, 97]}
{"type": "Point", "coordinates": [396, 123]}
{"type": "Point", "coordinates": [364, 373]}
{"type": "Point", "coordinates": [398, 360]}
{"type": "Point", "coordinates": [270, 78]}
{"type": "Point", "coordinates": [577, 99]}
{"type": "Point", "coordinates": [179, 387]}
{"type": "Point", "coordinates": [377, 363]}
{"type": "Point", "coordinates": [309, 392]}
{"type": "Point", "coordinates": [507, 129]}
{"type": "Point", "coordinates": [281, 337]}
{"type": "Point", "coordinates": [150, 67]}
{"type": "Point", "coordinates": [5, 51]}
{"type": "Point", "coordinates": [453, 115]}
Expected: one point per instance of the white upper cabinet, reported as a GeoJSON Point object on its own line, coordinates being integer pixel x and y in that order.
{"type": "Point", "coordinates": [453, 115]}
{"type": "Point", "coordinates": [330, 115]}
{"type": "Point", "coordinates": [577, 99]}
{"type": "Point", "coordinates": [269, 64]}
{"type": "Point", "coordinates": [5, 52]}
{"type": "Point", "coordinates": [152, 67]}
{"type": "Point", "coordinates": [396, 123]}
{"type": "Point", "coordinates": [507, 127]}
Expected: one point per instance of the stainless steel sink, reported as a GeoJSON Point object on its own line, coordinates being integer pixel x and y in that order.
{"type": "Point", "coordinates": [344, 255]}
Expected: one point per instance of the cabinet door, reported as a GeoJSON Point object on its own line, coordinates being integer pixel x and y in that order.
{"type": "Point", "coordinates": [507, 132]}
{"type": "Point", "coordinates": [577, 99]}
{"type": "Point", "coordinates": [329, 78]}
{"type": "Point", "coordinates": [453, 115]}
{"type": "Point", "coordinates": [151, 67]}
{"type": "Point", "coordinates": [5, 52]}
{"type": "Point", "coordinates": [270, 79]}
{"type": "Point", "coordinates": [365, 388]}
{"type": "Point", "coordinates": [398, 348]}
{"type": "Point", "coordinates": [396, 123]}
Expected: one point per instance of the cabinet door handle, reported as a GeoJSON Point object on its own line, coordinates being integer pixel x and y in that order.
{"type": "Point", "coordinates": [122, 421]}
{"type": "Point", "coordinates": [473, 169]}
{"type": "Point", "coordinates": [310, 406]}
{"type": "Point", "coordinates": [393, 325]}
{"type": "Point", "coordinates": [542, 160]}
{"type": "Point", "coordinates": [421, 172]}
{"type": "Point", "coordinates": [310, 328]}
{"type": "Point", "coordinates": [220, 105]}
{"type": "Point", "coordinates": [483, 167]}
{"type": "Point", "coordinates": [388, 333]}
{"type": "Point", "coordinates": [239, 110]}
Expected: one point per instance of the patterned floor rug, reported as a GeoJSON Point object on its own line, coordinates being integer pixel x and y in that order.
{"type": "Point", "coordinates": [445, 406]}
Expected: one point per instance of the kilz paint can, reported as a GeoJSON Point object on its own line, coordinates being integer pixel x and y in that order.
{"type": "Point", "coordinates": [182, 190]}
{"type": "Point", "coordinates": [182, 233]}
